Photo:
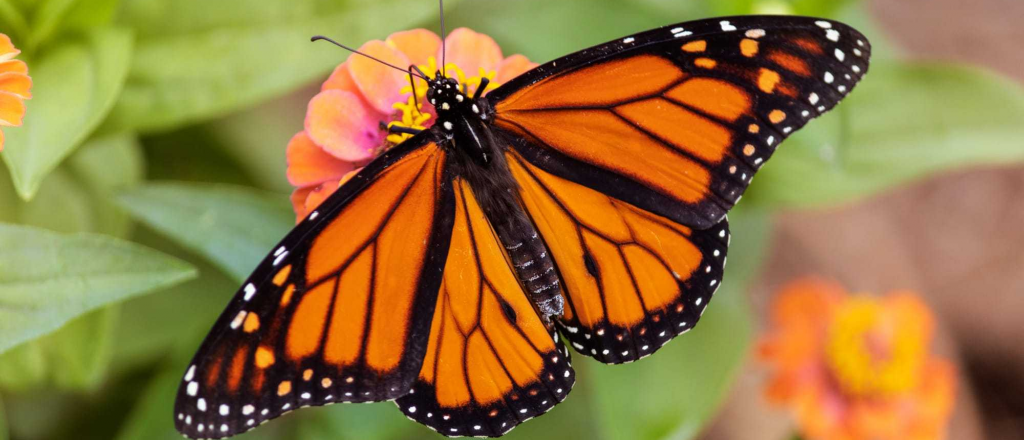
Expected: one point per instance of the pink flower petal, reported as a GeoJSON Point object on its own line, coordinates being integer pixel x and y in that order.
{"type": "Point", "coordinates": [309, 165]}
{"type": "Point", "coordinates": [471, 51]}
{"type": "Point", "coordinates": [298, 199]}
{"type": "Point", "coordinates": [340, 79]}
{"type": "Point", "coordinates": [512, 67]}
{"type": "Point", "coordinates": [417, 44]}
{"type": "Point", "coordinates": [343, 126]}
{"type": "Point", "coordinates": [380, 84]}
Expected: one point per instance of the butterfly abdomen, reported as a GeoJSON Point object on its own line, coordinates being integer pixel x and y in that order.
{"type": "Point", "coordinates": [535, 268]}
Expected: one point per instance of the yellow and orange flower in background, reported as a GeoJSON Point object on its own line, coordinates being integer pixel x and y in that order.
{"type": "Point", "coordinates": [855, 367]}
{"type": "Point", "coordinates": [343, 122]}
{"type": "Point", "coordinates": [15, 86]}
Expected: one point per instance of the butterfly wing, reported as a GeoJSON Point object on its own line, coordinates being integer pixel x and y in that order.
{"type": "Point", "coordinates": [491, 363]}
{"type": "Point", "coordinates": [677, 120]}
{"type": "Point", "coordinates": [340, 311]}
{"type": "Point", "coordinates": [633, 280]}
{"type": "Point", "coordinates": [628, 156]}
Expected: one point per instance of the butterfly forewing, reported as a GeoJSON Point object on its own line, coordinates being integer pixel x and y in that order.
{"type": "Point", "coordinates": [678, 120]}
{"type": "Point", "coordinates": [628, 156]}
{"type": "Point", "coordinates": [341, 309]}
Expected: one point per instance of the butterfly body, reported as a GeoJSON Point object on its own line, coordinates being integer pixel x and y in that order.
{"type": "Point", "coordinates": [582, 202]}
{"type": "Point", "coordinates": [464, 128]}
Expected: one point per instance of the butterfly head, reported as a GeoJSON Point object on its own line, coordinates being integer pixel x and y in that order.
{"type": "Point", "coordinates": [445, 95]}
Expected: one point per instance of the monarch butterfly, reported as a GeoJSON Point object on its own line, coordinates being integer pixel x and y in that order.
{"type": "Point", "coordinates": [586, 199]}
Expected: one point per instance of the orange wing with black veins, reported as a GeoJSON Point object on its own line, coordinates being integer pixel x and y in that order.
{"type": "Point", "coordinates": [491, 363]}
{"type": "Point", "coordinates": [340, 311]}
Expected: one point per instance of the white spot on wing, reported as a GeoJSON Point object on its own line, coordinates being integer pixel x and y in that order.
{"type": "Point", "coordinates": [726, 26]}
{"type": "Point", "coordinates": [832, 34]}
{"type": "Point", "coordinates": [823, 24]}
{"type": "Point", "coordinates": [629, 40]}
{"type": "Point", "coordinates": [250, 290]}
{"type": "Point", "coordinates": [235, 323]}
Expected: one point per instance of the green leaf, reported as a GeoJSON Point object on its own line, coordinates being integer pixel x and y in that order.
{"type": "Point", "coordinates": [87, 14]}
{"type": "Point", "coordinates": [73, 357]}
{"type": "Point", "coordinates": [232, 226]}
{"type": "Point", "coordinates": [13, 21]}
{"type": "Point", "coordinates": [549, 37]}
{"type": "Point", "coordinates": [74, 86]}
{"type": "Point", "coordinates": [46, 20]}
{"type": "Point", "coordinates": [104, 166]}
{"type": "Point", "coordinates": [256, 138]}
{"type": "Point", "coordinates": [74, 198]}
{"type": "Point", "coordinates": [3, 422]}
{"type": "Point", "coordinates": [196, 59]}
{"type": "Point", "coordinates": [47, 279]}
{"type": "Point", "coordinates": [173, 320]}
{"type": "Point", "coordinates": [906, 121]}
{"type": "Point", "coordinates": [672, 394]}
{"type": "Point", "coordinates": [62, 205]}
{"type": "Point", "coordinates": [356, 422]}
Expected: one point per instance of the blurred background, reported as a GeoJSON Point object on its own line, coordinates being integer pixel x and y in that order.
{"type": "Point", "coordinates": [161, 125]}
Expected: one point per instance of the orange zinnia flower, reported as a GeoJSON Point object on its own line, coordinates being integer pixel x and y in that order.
{"type": "Point", "coordinates": [857, 367]}
{"type": "Point", "coordinates": [343, 122]}
{"type": "Point", "coordinates": [15, 86]}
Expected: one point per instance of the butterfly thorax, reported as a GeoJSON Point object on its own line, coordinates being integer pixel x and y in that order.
{"type": "Point", "coordinates": [461, 116]}
{"type": "Point", "coordinates": [463, 125]}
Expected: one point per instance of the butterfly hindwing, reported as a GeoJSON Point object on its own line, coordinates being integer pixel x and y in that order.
{"type": "Point", "coordinates": [678, 120]}
{"type": "Point", "coordinates": [632, 280]}
{"type": "Point", "coordinates": [340, 311]}
{"type": "Point", "coordinates": [491, 363]}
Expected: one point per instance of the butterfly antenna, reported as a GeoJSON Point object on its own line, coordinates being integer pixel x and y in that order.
{"type": "Point", "coordinates": [444, 43]}
{"type": "Point", "coordinates": [321, 37]}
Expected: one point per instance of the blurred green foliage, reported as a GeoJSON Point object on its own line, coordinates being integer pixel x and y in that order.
{"type": "Point", "coordinates": [152, 161]}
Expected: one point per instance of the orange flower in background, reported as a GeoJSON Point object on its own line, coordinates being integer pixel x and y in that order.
{"type": "Point", "coordinates": [15, 86]}
{"type": "Point", "coordinates": [343, 128]}
{"type": "Point", "coordinates": [856, 367]}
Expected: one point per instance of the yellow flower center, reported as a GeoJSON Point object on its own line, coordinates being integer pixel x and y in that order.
{"type": "Point", "coordinates": [409, 112]}
{"type": "Point", "coordinates": [870, 354]}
